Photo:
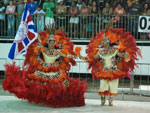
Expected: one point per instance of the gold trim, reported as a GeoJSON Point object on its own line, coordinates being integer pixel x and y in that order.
{"type": "Point", "coordinates": [108, 54]}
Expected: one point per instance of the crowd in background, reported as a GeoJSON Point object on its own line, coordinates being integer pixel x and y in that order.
{"type": "Point", "coordinates": [82, 14]}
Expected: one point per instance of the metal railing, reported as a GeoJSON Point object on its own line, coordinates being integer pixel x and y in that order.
{"type": "Point", "coordinates": [138, 83]}
{"type": "Point", "coordinates": [81, 27]}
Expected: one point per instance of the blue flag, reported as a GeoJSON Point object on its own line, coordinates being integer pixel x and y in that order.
{"type": "Point", "coordinates": [26, 34]}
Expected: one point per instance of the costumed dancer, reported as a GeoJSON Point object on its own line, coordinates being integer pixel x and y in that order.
{"type": "Point", "coordinates": [111, 55]}
{"type": "Point", "coordinates": [43, 78]}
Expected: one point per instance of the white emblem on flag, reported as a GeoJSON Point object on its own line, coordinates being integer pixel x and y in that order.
{"type": "Point", "coordinates": [22, 32]}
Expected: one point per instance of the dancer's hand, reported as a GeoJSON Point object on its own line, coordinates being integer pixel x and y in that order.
{"type": "Point", "coordinates": [71, 56]}
{"type": "Point", "coordinates": [126, 56]}
{"type": "Point", "coordinates": [39, 38]}
{"type": "Point", "coordinates": [39, 42]}
{"type": "Point", "coordinates": [81, 57]}
{"type": "Point", "coordinates": [68, 55]}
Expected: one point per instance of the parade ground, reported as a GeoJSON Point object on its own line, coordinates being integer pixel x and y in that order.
{"type": "Point", "coordinates": [11, 104]}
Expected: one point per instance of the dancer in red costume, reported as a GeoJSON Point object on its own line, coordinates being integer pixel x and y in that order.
{"type": "Point", "coordinates": [111, 55]}
{"type": "Point", "coordinates": [43, 78]}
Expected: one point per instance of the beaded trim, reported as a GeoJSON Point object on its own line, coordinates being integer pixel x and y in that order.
{"type": "Point", "coordinates": [38, 73]}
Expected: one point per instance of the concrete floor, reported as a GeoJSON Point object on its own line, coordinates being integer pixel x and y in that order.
{"type": "Point", "coordinates": [93, 95]}
{"type": "Point", "coordinates": [123, 103]}
{"type": "Point", "coordinates": [10, 104]}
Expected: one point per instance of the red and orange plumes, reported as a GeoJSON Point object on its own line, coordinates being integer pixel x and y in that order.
{"type": "Point", "coordinates": [25, 84]}
{"type": "Point", "coordinates": [126, 42]}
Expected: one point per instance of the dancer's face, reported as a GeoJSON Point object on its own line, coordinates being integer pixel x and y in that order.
{"type": "Point", "coordinates": [51, 44]}
{"type": "Point", "coordinates": [106, 43]}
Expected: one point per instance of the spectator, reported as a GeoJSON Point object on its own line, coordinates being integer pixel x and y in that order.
{"type": "Point", "coordinates": [148, 1]}
{"type": "Point", "coordinates": [74, 20]}
{"type": "Point", "coordinates": [119, 12]}
{"type": "Point", "coordinates": [5, 2]}
{"type": "Point", "coordinates": [61, 11]}
{"type": "Point", "coordinates": [135, 8]}
{"type": "Point", "coordinates": [94, 12]}
{"type": "Point", "coordinates": [130, 2]}
{"type": "Point", "coordinates": [36, 1]}
{"type": "Point", "coordinates": [56, 1]}
{"type": "Point", "coordinates": [25, 1]}
{"type": "Point", "coordinates": [144, 13]}
{"type": "Point", "coordinates": [107, 10]}
{"type": "Point", "coordinates": [48, 7]}
{"type": "Point", "coordinates": [148, 14]}
{"type": "Point", "coordinates": [2, 18]}
{"type": "Point", "coordinates": [40, 2]}
{"type": "Point", "coordinates": [79, 4]}
{"type": "Point", "coordinates": [101, 4]}
{"type": "Point", "coordinates": [15, 2]}
{"type": "Point", "coordinates": [107, 13]}
{"type": "Point", "coordinates": [84, 18]}
{"type": "Point", "coordinates": [32, 7]}
{"type": "Point", "coordinates": [145, 8]}
{"type": "Point", "coordinates": [40, 19]}
{"type": "Point", "coordinates": [10, 11]}
{"type": "Point", "coordinates": [124, 5]}
{"type": "Point", "coordinates": [135, 11]}
{"type": "Point", "coordinates": [20, 9]}
{"type": "Point", "coordinates": [89, 3]}
{"type": "Point", "coordinates": [68, 2]}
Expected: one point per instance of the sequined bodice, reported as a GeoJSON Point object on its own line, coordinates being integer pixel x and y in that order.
{"type": "Point", "coordinates": [50, 58]}
{"type": "Point", "coordinates": [108, 58]}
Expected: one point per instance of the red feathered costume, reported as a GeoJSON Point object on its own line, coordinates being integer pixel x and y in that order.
{"type": "Point", "coordinates": [55, 91]}
{"type": "Point", "coordinates": [127, 44]}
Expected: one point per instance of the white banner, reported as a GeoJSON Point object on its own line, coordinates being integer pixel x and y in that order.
{"type": "Point", "coordinates": [144, 24]}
